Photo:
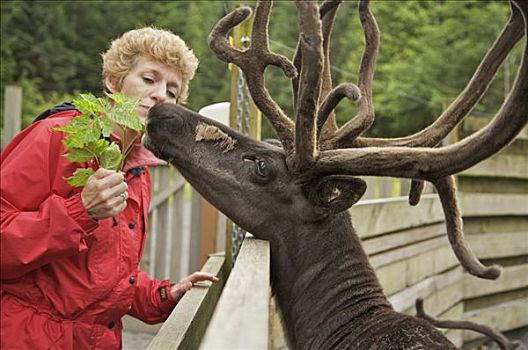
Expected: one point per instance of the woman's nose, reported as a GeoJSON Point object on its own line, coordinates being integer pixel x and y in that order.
{"type": "Point", "coordinates": [159, 93]}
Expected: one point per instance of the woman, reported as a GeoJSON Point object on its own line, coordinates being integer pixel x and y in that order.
{"type": "Point", "coordinates": [70, 256]}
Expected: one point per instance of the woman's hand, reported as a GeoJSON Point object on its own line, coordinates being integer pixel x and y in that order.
{"type": "Point", "coordinates": [180, 288]}
{"type": "Point", "coordinates": [104, 194]}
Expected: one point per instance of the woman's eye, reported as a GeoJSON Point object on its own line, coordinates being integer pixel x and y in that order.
{"type": "Point", "coordinates": [171, 94]}
{"type": "Point", "coordinates": [148, 80]}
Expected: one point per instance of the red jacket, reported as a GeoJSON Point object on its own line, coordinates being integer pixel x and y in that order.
{"type": "Point", "coordinates": [66, 279]}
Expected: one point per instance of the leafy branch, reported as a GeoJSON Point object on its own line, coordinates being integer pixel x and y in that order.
{"type": "Point", "coordinates": [88, 133]}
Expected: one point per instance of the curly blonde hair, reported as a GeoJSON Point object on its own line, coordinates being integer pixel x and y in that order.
{"type": "Point", "coordinates": [160, 45]}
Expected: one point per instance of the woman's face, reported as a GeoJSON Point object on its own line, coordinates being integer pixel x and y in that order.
{"type": "Point", "coordinates": [150, 81]}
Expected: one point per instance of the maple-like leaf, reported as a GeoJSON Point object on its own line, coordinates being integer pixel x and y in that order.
{"type": "Point", "coordinates": [88, 133]}
{"type": "Point", "coordinates": [80, 177]}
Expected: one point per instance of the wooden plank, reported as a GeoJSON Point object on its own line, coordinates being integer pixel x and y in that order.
{"type": "Point", "coordinates": [511, 279]}
{"type": "Point", "coordinates": [398, 239]}
{"type": "Point", "coordinates": [12, 113]}
{"type": "Point", "coordinates": [506, 316]}
{"type": "Point", "coordinates": [175, 248]}
{"type": "Point", "coordinates": [378, 216]}
{"type": "Point", "coordinates": [492, 184]}
{"type": "Point", "coordinates": [241, 320]}
{"type": "Point", "coordinates": [194, 241]}
{"type": "Point", "coordinates": [208, 229]}
{"type": "Point", "coordinates": [493, 204]}
{"type": "Point", "coordinates": [401, 274]}
{"type": "Point", "coordinates": [188, 321]}
{"type": "Point", "coordinates": [476, 225]}
{"type": "Point", "coordinates": [277, 336]}
{"type": "Point", "coordinates": [408, 251]}
{"type": "Point", "coordinates": [404, 300]}
{"type": "Point", "coordinates": [499, 245]}
{"type": "Point", "coordinates": [167, 191]}
{"type": "Point", "coordinates": [505, 165]}
{"type": "Point", "coordinates": [455, 335]}
{"type": "Point", "coordinates": [163, 228]}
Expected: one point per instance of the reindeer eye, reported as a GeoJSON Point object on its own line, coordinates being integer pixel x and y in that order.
{"type": "Point", "coordinates": [261, 168]}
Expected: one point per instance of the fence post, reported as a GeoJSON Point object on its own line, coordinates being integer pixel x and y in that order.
{"type": "Point", "coordinates": [12, 113]}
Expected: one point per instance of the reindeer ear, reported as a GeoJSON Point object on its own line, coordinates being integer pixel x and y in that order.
{"type": "Point", "coordinates": [336, 193]}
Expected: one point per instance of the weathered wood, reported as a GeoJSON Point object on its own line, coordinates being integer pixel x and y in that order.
{"type": "Point", "coordinates": [378, 216]}
{"type": "Point", "coordinates": [476, 225]}
{"type": "Point", "coordinates": [277, 337]}
{"type": "Point", "coordinates": [12, 113]}
{"type": "Point", "coordinates": [513, 277]}
{"type": "Point", "coordinates": [454, 313]}
{"type": "Point", "coordinates": [398, 239]}
{"type": "Point", "coordinates": [164, 221]}
{"type": "Point", "coordinates": [404, 300]}
{"type": "Point", "coordinates": [506, 316]}
{"type": "Point", "coordinates": [208, 228]}
{"type": "Point", "coordinates": [499, 245]}
{"type": "Point", "coordinates": [173, 251]}
{"type": "Point", "coordinates": [408, 251]}
{"type": "Point", "coordinates": [401, 274]}
{"type": "Point", "coordinates": [508, 165]}
{"type": "Point", "coordinates": [492, 184]}
{"type": "Point", "coordinates": [241, 320]}
{"type": "Point", "coordinates": [169, 190]}
{"type": "Point", "coordinates": [188, 321]}
{"type": "Point", "coordinates": [492, 204]}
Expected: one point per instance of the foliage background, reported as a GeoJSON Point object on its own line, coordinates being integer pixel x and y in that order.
{"type": "Point", "coordinates": [429, 50]}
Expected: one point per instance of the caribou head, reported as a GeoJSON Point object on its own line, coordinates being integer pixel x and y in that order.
{"type": "Point", "coordinates": [297, 195]}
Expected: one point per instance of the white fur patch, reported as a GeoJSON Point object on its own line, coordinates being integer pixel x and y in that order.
{"type": "Point", "coordinates": [205, 132]}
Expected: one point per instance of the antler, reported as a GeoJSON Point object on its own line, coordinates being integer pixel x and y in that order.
{"type": "Point", "coordinates": [398, 157]}
{"type": "Point", "coordinates": [437, 164]}
{"type": "Point", "coordinates": [365, 116]}
{"type": "Point", "coordinates": [310, 43]}
{"type": "Point", "coordinates": [503, 342]}
{"type": "Point", "coordinates": [253, 63]}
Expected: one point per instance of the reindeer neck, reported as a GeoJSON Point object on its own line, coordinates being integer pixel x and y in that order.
{"type": "Point", "coordinates": [323, 281]}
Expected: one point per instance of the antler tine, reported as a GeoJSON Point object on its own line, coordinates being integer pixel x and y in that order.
{"type": "Point", "coordinates": [253, 63]}
{"type": "Point", "coordinates": [348, 90]}
{"type": "Point", "coordinates": [365, 116]}
{"type": "Point", "coordinates": [447, 193]}
{"type": "Point", "coordinates": [415, 192]}
{"type": "Point", "coordinates": [464, 103]}
{"type": "Point", "coordinates": [327, 12]}
{"type": "Point", "coordinates": [503, 342]}
{"type": "Point", "coordinates": [218, 38]}
{"type": "Point", "coordinates": [311, 43]}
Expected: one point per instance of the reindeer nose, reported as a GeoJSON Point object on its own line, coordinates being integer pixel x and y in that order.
{"type": "Point", "coordinates": [166, 115]}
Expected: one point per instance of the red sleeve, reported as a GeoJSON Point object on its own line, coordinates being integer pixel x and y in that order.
{"type": "Point", "coordinates": [42, 218]}
{"type": "Point", "coordinates": [153, 301]}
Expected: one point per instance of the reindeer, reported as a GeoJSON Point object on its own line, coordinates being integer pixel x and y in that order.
{"type": "Point", "coordinates": [297, 196]}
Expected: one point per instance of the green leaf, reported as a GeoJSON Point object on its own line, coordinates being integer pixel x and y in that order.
{"type": "Point", "coordinates": [111, 157]}
{"type": "Point", "coordinates": [79, 155]}
{"type": "Point", "coordinates": [123, 112]}
{"type": "Point", "coordinates": [98, 147]}
{"type": "Point", "coordinates": [80, 177]}
{"type": "Point", "coordinates": [106, 125]}
{"type": "Point", "coordinates": [88, 104]}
